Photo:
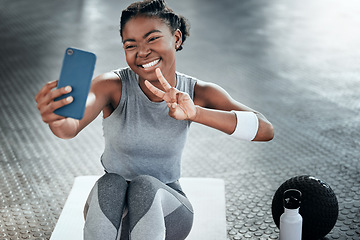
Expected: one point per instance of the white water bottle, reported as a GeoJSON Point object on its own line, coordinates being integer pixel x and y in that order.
{"type": "Point", "coordinates": [291, 220]}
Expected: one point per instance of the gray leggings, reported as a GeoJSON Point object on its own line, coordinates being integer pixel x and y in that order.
{"type": "Point", "coordinates": [143, 209]}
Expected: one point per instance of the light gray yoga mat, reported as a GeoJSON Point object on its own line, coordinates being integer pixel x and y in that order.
{"type": "Point", "coordinates": [207, 196]}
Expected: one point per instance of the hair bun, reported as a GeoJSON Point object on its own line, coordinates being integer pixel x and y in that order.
{"type": "Point", "coordinates": [153, 6]}
{"type": "Point", "coordinates": [156, 8]}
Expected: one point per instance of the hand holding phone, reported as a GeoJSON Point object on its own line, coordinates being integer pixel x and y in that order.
{"type": "Point", "coordinates": [77, 71]}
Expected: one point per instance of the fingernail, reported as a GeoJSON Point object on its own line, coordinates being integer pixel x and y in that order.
{"type": "Point", "coordinates": [67, 88]}
{"type": "Point", "coordinates": [69, 99]}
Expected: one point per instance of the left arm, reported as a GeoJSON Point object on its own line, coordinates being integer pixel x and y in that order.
{"type": "Point", "coordinates": [212, 107]}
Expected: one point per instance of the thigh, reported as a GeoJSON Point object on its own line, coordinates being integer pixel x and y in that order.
{"type": "Point", "coordinates": [156, 206]}
{"type": "Point", "coordinates": [178, 223]}
{"type": "Point", "coordinates": [104, 207]}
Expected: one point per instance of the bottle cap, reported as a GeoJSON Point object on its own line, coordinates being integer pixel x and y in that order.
{"type": "Point", "coordinates": [292, 198]}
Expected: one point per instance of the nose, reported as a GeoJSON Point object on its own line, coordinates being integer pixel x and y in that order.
{"type": "Point", "coordinates": [144, 51]}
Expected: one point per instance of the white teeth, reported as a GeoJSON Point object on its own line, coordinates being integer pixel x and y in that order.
{"type": "Point", "coordinates": [151, 64]}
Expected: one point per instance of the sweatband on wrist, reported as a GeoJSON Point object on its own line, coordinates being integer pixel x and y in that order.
{"type": "Point", "coordinates": [247, 125]}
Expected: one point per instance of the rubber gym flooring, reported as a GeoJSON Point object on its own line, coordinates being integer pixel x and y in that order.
{"type": "Point", "coordinates": [297, 62]}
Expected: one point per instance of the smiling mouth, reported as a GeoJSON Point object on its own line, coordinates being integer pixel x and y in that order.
{"type": "Point", "coordinates": [150, 64]}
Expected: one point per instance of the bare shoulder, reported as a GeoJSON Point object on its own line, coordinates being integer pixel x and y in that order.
{"type": "Point", "coordinates": [106, 81]}
{"type": "Point", "coordinates": [107, 86]}
{"type": "Point", "coordinates": [211, 95]}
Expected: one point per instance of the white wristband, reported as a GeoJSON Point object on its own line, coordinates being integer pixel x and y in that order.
{"type": "Point", "coordinates": [247, 125]}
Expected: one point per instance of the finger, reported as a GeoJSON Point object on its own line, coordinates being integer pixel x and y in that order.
{"type": "Point", "coordinates": [50, 96]}
{"type": "Point", "coordinates": [159, 93]}
{"type": "Point", "coordinates": [50, 85]}
{"type": "Point", "coordinates": [162, 79]}
{"type": "Point", "coordinates": [51, 107]}
{"type": "Point", "coordinates": [46, 89]}
{"type": "Point", "coordinates": [173, 94]}
{"type": "Point", "coordinates": [174, 101]}
{"type": "Point", "coordinates": [59, 92]}
{"type": "Point", "coordinates": [173, 105]}
{"type": "Point", "coordinates": [183, 97]}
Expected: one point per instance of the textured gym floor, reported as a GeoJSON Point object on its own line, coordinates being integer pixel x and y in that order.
{"type": "Point", "coordinates": [297, 62]}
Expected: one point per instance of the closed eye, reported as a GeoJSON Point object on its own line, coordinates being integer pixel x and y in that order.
{"type": "Point", "coordinates": [129, 47]}
{"type": "Point", "coordinates": [153, 39]}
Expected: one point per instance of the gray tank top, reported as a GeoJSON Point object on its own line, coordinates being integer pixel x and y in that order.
{"type": "Point", "coordinates": [140, 137]}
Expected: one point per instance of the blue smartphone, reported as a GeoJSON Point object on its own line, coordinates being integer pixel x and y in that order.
{"type": "Point", "coordinates": [77, 71]}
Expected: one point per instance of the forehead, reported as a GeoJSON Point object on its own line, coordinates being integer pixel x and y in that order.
{"type": "Point", "coordinates": [141, 25]}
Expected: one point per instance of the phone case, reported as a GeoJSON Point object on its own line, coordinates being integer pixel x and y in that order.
{"type": "Point", "coordinates": [77, 71]}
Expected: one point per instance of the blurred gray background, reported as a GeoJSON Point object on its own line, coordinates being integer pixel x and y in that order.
{"type": "Point", "coordinates": [297, 62]}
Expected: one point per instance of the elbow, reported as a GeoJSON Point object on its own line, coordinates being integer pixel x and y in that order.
{"type": "Point", "coordinates": [62, 134]}
{"type": "Point", "coordinates": [65, 129]}
{"type": "Point", "coordinates": [67, 137]}
{"type": "Point", "coordinates": [265, 133]}
{"type": "Point", "coordinates": [270, 134]}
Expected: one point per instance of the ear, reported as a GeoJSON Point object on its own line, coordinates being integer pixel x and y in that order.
{"type": "Point", "coordinates": [178, 38]}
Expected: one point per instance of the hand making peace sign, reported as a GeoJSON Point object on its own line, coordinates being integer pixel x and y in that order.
{"type": "Point", "coordinates": [181, 106]}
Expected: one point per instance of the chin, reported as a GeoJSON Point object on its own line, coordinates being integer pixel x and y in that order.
{"type": "Point", "coordinates": [151, 76]}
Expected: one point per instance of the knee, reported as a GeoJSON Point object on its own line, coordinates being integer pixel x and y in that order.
{"type": "Point", "coordinates": [143, 186]}
{"type": "Point", "coordinates": [108, 187]}
{"type": "Point", "coordinates": [112, 179]}
{"type": "Point", "coordinates": [111, 187]}
{"type": "Point", "coordinates": [144, 179]}
{"type": "Point", "coordinates": [144, 182]}
{"type": "Point", "coordinates": [111, 197]}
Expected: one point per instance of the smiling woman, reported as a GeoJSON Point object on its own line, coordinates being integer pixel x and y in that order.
{"type": "Point", "coordinates": [149, 44]}
{"type": "Point", "coordinates": [151, 9]}
{"type": "Point", "coordinates": [148, 108]}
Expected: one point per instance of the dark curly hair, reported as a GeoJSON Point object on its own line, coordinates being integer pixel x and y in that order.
{"type": "Point", "coordinates": [156, 8]}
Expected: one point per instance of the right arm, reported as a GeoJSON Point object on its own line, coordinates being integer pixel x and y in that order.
{"type": "Point", "coordinates": [104, 95]}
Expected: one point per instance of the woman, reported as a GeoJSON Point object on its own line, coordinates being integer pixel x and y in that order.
{"type": "Point", "coordinates": [147, 110]}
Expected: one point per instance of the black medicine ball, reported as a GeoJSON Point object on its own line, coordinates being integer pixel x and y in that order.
{"type": "Point", "coordinates": [319, 206]}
